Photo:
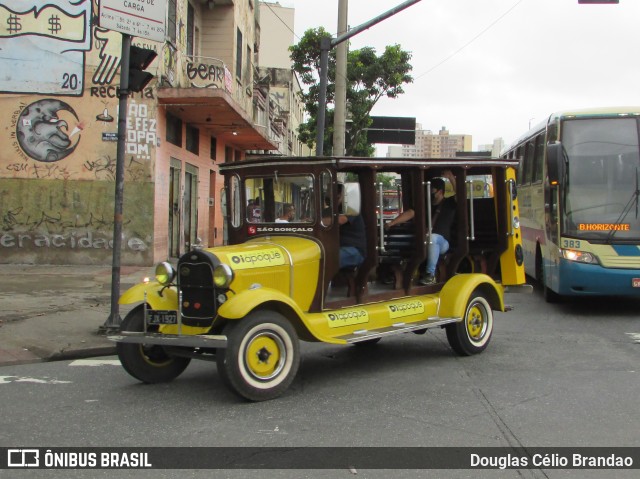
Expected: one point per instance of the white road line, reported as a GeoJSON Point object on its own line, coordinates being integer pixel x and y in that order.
{"type": "Point", "coordinates": [95, 362]}
{"type": "Point", "coordinates": [21, 379]}
{"type": "Point", "coordinates": [634, 336]}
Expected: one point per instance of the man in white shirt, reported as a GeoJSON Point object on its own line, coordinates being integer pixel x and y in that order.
{"type": "Point", "coordinates": [288, 213]}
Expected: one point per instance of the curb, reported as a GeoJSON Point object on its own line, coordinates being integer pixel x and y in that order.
{"type": "Point", "coordinates": [15, 357]}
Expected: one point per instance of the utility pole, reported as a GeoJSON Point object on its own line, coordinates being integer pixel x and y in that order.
{"type": "Point", "coordinates": [340, 113]}
{"type": "Point", "coordinates": [326, 44]}
{"type": "Point", "coordinates": [113, 321]}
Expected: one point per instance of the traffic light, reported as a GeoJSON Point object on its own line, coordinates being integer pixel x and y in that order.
{"type": "Point", "coordinates": [139, 60]}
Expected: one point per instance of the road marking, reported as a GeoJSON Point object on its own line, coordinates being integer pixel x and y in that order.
{"type": "Point", "coordinates": [634, 336]}
{"type": "Point", "coordinates": [95, 362]}
{"type": "Point", "coordinates": [20, 379]}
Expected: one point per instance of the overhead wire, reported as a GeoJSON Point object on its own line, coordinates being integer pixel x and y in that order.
{"type": "Point", "coordinates": [281, 20]}
{"type": "Point", "coordinates": [448, 57]}
{"type": "Point", "coordinates": [482, 32]}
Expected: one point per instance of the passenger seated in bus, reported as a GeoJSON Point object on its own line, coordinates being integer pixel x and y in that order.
{"type": "Point", "coordinates": [288, 213]}
{"type": "Point", "coordinates": [353, 237]}
{"type": "Point", "coordinates": [443, 212]}
{"type": "Point", "coordinates": [254, 212]}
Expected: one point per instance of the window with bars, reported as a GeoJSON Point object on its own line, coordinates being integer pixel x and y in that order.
{"type": "Point", "coordinates": [171, 20]}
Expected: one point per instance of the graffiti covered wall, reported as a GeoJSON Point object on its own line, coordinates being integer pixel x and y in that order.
{"type": "Point", "coordinates": [59, 98]}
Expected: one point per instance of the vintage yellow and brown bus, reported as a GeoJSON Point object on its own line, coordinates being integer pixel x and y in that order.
{"type": "Point", "coordinates": [277, 282]}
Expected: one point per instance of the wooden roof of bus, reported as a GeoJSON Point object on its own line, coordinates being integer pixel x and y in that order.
{"type": "Point", "coordinates": [350, 162]}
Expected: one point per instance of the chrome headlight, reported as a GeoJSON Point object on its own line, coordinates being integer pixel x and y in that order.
{"type": "Point", "coordinates": [516, 223]}
{"type": "Point", "coordinates": [579, 256]}
{"type": "Point", "coordinates": [222, 276]}
{"type": "Point", "coordinates": [165, 273]}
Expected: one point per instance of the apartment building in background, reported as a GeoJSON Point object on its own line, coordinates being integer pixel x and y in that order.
{"type": "Point", "coordinates": [440, 145]}
{"type": "Point", "coordinates": [210, 102]}
{"type": "Point", "coordinates": [277, 82]}
{"type": "Point", "coordinates": [495, 148]}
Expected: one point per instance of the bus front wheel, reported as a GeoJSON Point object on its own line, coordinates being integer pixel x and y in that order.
{"type": "Point", "coordinates": [147, 363]}
{"type": "Point", "coordinates": [262, 356]}
{"type": "Point", "coordinates": [549, 295]}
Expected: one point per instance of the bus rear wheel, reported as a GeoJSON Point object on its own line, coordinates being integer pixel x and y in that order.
{"type": "Point", "coordinates": [473, 333]}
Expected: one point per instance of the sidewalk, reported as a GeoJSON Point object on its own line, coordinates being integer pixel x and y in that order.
{"type": "Point", "coordinates": [51, 312]}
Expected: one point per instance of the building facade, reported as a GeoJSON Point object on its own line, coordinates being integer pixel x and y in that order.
{"type": "Point", "coordinates": [442, 145]}
{"type": "Point", "coordinates": [495, 148]}
{"type": "Point", "coordinates": [278, 81]}
{"type": "Point", "coordinates": [59, 131]}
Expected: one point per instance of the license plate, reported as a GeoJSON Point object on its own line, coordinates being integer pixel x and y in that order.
{"type": "Point", "coordinates": [157, 316]}
{"type": "Point", "coordinates": [635, 282]}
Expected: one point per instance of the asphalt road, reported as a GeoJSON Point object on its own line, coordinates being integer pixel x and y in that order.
{"type": "Point", "coordinates": [562, 375]}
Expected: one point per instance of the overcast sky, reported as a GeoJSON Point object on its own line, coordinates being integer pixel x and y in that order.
{"type": "Point", "coordinates": [491, 68]}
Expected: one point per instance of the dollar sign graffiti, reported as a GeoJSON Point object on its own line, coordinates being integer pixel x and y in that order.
{"type": "Point", "coordinates": [54, 21]}
{"type": "Point", "coordinates": [14, 24]}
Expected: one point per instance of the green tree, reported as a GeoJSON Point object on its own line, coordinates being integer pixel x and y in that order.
{"type": "Point", "coordinates": [369, 78]}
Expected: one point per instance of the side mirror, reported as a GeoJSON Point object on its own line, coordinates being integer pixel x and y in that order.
{"type": "Point", "coordinates": [351, 201]}
{"type": "Point", "coordinates": [555, 163]}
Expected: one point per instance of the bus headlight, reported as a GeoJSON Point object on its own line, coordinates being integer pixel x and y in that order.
{"type": "Point", "coordinates": [165, 273]}
{"type": "Point", "coordinates": [222, 276]}
{"type": "Point", "coordinates": [579, 256]}
{"type": "Point", "coordinates": [516, 223]}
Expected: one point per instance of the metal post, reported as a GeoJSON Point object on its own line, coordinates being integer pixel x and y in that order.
{"type": "Point", "coordinates": [472, 237]}
{"type": "Point", "coordinates": [113, 322]}
{"type": "Point", "coordinates": [327, 44]}
{"type": "Point", "coordinates": [381, 215]}
{"type": "Point", "coordinates": [429, 219]}
{"type": "Point", "coordinates": [340, 113]}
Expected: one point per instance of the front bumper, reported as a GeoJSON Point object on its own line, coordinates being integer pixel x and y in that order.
{"type": "Point", "coordinates": [577, 279]}
{"type": "Point", "coordinates": [156, 339]}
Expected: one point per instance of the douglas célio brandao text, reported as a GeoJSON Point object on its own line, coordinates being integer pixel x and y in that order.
{"type": "Point", "coordinates": [574, 460]}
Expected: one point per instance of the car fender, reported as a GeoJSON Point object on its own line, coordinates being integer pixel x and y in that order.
{"type": "Point", "coordinates": [157, 295]}
{"type": "Point", "coordinates": [456, 293]}
{"type": "Point", "coordinates": [241, 304]}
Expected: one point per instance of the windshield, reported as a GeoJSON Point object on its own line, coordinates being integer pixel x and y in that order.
{"type": "Point", "coordinates": [279, 199]}
{"type": "Point", "coordinates": [602, 178]}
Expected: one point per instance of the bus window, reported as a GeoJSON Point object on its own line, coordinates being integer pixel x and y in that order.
{"type": "Point", "coordinates": [603, 165]}
{"type": "Point", "coordinates": [327, 198]}
{"type": "Point", "coordinates": [520, 158]}
{"type": "Point", "coordinates": [529, 157]}
{"type": "Point", "coordinates": [539, 159]}
{"type": "Point", "coordinates": [283, 198]}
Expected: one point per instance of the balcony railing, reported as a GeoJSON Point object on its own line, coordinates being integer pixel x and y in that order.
{"type": "Point", "coordinates": [206, 72]}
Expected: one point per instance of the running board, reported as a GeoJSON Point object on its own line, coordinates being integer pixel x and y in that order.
{"type": "Point", "coordinates": [189, 341]}
{"type": "Point", "coordinates": [519, 288]}
{"type": "Point", "coordinates": [397, 328]}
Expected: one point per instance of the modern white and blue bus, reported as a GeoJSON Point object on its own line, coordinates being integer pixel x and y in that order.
{"type": "Point", "coordinates": [578, 183]}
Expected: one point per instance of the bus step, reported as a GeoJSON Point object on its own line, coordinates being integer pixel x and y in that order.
{"type": "Point", "coordinates": [397, 328]}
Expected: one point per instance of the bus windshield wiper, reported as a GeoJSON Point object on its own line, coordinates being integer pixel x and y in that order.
{"type": "Point", "coordinates": [633, 200]}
